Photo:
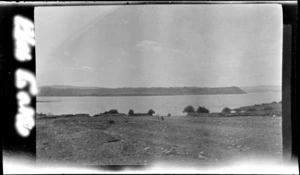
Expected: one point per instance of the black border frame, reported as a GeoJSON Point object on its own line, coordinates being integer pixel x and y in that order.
{"type": "Point", "coordinates": [16, 145]}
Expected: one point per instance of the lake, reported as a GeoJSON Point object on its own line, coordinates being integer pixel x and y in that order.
{"type": "Point", "coordinates": [162, 105]}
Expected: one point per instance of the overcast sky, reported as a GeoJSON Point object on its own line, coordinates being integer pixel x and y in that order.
{"type": "Point", "coordinates": [159, 45]}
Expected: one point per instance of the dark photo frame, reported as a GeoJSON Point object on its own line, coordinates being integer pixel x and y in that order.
{"type": "Point", "coordinates": [16, 146]}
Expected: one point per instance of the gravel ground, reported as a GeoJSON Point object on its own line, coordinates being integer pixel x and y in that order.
{"type": "Point", "coordinates": [144, 140]}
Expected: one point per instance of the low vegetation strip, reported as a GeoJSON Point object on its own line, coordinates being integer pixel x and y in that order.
{"type": "Point", "coordinates": [265, 109]}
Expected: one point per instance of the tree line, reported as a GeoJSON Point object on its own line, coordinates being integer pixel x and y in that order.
{"type": "Point", "coordinates": [202, 109]}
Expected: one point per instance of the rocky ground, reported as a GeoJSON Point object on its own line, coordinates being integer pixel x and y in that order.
{"type": "Point", "coordinates": [115, 140]}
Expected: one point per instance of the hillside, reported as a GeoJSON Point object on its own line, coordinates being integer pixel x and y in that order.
{"type": "Point", "coordinates": [264, 109]}
{"type": "Point", "coordinates": [261, 89]}
{"type": "Point", "coordinates": [274, 106]}
{"type": "Point", "coordinates": [136, 91]}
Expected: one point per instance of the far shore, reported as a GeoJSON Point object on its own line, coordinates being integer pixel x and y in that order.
{"type": "Point", "coordinates": [265, 109]}
{"type": "Point", "coordinates": [136, 95]}
{"type": "Point", "coordinates": [136, 91]}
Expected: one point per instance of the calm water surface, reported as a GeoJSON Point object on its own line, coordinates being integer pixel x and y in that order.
{"type": "Point", "coordinates": [161, 104]}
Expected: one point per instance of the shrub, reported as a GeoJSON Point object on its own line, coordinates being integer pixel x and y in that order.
{"type": "Point", "coordinates": [226, 110]}
{"type": "Point", "coordinates": [202, 109]}
{"type": "Point", "coordinates": [131, 112]}
{"type": "Point", "coordinates": [251, 109]}
{"type": "Point", "coordinates": [238, 110]}
{"type": "Point", "coordinates": [112, 111]}
{"type": "Point", "coordinates": [268, 108]}
{"type": "Point", "coordinates": [189, 109]}
{"type": "Point", "coordinates": [111, 122]}
{"type": "Point", "coordinates": [151, 112]}
{"type": "Point", "coordinates": [169, 115]}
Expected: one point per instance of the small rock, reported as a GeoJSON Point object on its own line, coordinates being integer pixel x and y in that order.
{"type": "Point", "coordinates": [147, 148]}
{"type": "Point", "coordinates": [170, 151]}
{"type": "Point", "coordinates": [201, 156]}
{"type": "Point", "coordinates": [113, 139]}
{"type": "Point", "coordinates": [245, 149]}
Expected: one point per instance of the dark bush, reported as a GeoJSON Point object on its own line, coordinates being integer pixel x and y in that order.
{"type": "Point", "coordinates": [202, 109]}
{"type": "Point", "coordinates": [111, 122]}
{"type": "Point", "coordinates": [169, 115]}
{"type": "Point", "coordinates": [238, 110]}
{"type": "Point", "coordinates": [131, 112]}
{"type": "Point", "coordinates": [268, 108]}
{"type": "Point", "coordinates": [151, 112]}
{"type": "Point", "coordinates": [189, 109]}
{"type": "Point", "coordinates": [226, 110]}
{"type": "Point", "coordinates": [112, 111]}
{"type": "Point", "coordinates": [251, 109]}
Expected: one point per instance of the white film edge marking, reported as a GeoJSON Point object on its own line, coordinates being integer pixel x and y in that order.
{"type": "Point", "coordinates": [25, 117]}
{"type": "Point", "coordinates": [24, 39]}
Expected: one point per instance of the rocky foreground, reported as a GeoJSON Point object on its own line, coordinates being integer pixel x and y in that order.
{"type": "Point", "coordinates": [115, 140]}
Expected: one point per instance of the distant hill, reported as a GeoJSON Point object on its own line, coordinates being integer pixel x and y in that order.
{"type": "Point", "coordinates": [261, 89]}
{"type": "Point", "coordinates": [58, 90]}
{"type": "Point", "coordinates": [274, 106]}
{"type": "Point", "coordinates": [264, 109]}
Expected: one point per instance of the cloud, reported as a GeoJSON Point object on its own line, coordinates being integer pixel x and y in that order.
{"type": "Point", "coordinates": [87, 69]}
{"type": "Point", "coordinates": [75, 58]}
{"type": "Point", "coordinates": [152, 46]}
{"type": "Point", "coordinates": [175, 50]}
{"type": "Point", "coordinates": [66, 53]}
{"type": "Point", "coordinates": [82, 68]}
{"type": "Point", "coordinates": [149, 46]}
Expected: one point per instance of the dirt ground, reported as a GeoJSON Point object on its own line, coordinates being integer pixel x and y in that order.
{"type": "Point", "coordinates": [144, 140]}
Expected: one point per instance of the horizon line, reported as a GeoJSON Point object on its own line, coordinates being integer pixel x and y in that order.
{"type": "Point", "coordinates": [84, 86]}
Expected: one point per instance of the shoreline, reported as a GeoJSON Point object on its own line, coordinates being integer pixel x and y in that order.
{"type": "Point", "coordinates": [264, 109]}
{"type": "Point", "coordinates": [41, 115]}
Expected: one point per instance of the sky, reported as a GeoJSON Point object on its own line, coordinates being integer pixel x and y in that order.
{"type": "Point", "coordinates": [159, 45]}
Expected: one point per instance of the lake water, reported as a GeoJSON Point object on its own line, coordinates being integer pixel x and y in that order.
{"type": "Point", "coordinates": [160, 104]}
